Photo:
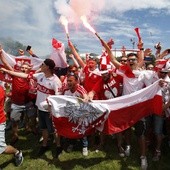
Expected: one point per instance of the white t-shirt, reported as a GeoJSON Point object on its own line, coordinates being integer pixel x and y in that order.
{"type": "Point", "coordinates": [141, 79]}
{"type": "Point", "coordinates": [46, 87]}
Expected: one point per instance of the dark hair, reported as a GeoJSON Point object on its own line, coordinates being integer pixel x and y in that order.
{"type": "Point", "coordinates": [71, 67]}
{"type": "Point", "coordinates": [72, 74]}
{"type": "Point", "coordinates": [132, 54]}
{"type": "Point", "coordinates": [50, 63]}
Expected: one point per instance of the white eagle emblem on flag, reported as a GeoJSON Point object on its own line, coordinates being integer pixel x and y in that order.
{"type": "Point", "coordinates": [83, 114]}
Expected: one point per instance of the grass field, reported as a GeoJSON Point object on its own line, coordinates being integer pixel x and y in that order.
{"type": "Point", "coordinates": [106, 159]}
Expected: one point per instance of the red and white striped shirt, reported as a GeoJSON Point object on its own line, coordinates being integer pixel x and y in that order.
{"type": "Point", "coordinates": [79, 91]}
{"type": "Point", "coordinates": [46, 87]}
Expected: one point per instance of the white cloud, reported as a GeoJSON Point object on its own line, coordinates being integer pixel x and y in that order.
{"type": "Point", "coordinates": [35, 22]}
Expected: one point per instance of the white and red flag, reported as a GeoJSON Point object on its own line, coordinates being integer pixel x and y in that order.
{"type": "Point", "coordinates": [73, 118]}
{"type": "Point", "coordinates": [16, 63]}
{"type": "Point", "coordinates": [58, 54]}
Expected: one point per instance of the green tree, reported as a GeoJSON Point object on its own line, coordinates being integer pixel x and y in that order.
{"type": "Point", "coordinates": [11, 46]}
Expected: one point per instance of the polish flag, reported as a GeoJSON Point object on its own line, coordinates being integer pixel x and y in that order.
{"type": "Point", "coordinates": [73, 118]}
{"type": "Point", "coordinates": [17, 61]}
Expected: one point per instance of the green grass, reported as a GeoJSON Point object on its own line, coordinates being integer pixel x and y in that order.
{"type": "Point", "coordinates": [106, 159]}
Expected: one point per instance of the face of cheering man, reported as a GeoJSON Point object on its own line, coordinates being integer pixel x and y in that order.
{"type": "Point", "coordinates": [162, 74]}
{"type": "Point", "coordinates": [106, 76]}
{"type": "Point", "coordinates": [25, 68]}
{"type": "Point", "coordinates": [92, 64]}
{"type": "Point", "coordinates": [72, 81]}
{"type": "Point", "coordinates": [123, 60]}
{"type": "Point", "coordinates": [132, 59]}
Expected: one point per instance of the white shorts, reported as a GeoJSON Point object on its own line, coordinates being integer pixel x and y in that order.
{"type": "Point", "coordinates": [2, 138]}
{"type": "Point", "coordinates": [16, 111]}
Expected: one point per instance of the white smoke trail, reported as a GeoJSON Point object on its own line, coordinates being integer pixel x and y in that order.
{"type": "Point", "coordinates": [74, 9]}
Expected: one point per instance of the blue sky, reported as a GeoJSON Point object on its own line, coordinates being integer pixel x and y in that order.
{"type": "Point", "coordinates": [36, 22]}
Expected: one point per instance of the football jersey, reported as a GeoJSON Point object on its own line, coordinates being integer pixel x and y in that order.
{"type": "Point", "coordinates": [79, 91]}
{"type": "Point", "coordinates": [111, 89]}
{"type": "Point", "coordinates": [46, 87]}
{"type": "Point", "coordinates": [90, 79]}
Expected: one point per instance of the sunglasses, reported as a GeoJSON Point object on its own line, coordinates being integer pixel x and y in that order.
{"type": "Point", "coordinates": [123, 60]}
{"type": "Point", "coordinates": [163, 72]}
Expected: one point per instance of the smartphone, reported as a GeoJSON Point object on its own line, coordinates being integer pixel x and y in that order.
{"type": "Point", "coordinates": [28, 48]}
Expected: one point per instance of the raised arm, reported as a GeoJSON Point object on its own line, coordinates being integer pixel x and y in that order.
{"type": "Point", "coordinates": [32, 54]}
{"type": "Point", "coordinates": [141, 53]}
{"type": "Point", "coordinates": [112, 57]}
{"type": "Point", "coordinates": [4, 61]}
{"type": "Point", "coordinates": [164, 53]}
{"type": "Point", "coordinates": [78, 58]}
{"type": "Point", "coordinates": [14, 73]}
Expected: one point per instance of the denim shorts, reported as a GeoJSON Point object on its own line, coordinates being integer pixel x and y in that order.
{"type": "Point", "coordinates": [45, 121]}
{"type": "Point", "coordinates": [158, 123]}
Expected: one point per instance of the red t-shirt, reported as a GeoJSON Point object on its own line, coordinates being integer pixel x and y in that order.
{"type": "Point", "coordinates": [90, 79]}
{"type": "Point", "coordinates": [102, 88]}
{"type": "Point", "coordinates": [20, 89]}
{"type": "Point", "coordinates": [2, 100]}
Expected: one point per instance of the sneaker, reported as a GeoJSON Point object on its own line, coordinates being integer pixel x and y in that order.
{"type": "Point", "coordinates": [18, 158]}
{"type": "Point", "coordinates": [85, 151]}
{"type": "Point", "coordinates": [156, 156]}
{"type": "Point", "coordinates": [70, 148]}
{"type": "Point", "coordinates": [121, 152]}
{"type": "Point", "coordinates": [127, 150]}
{"type": "Point", "coordinates": [99, 148]}
{"type": "Point", "coordinates": [42, 150]}
{"type": "Point", "coordinates": [41, 139]}
{"type": "Point", "coordinates": [144, 163]}
{"type": "Point", "coordinates": [59, 150]}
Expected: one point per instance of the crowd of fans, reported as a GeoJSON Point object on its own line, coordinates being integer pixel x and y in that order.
{"type": "Point", "coordinates": [92, 79]}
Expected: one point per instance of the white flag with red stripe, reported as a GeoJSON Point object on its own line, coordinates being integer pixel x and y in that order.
{"type": "Point", "coordinates": [73, 119]}
{"type": "Point", "coordinates": [15, 62]}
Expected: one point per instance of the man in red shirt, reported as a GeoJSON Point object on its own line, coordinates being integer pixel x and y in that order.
{"type": "Point", "coordinates": [108, 87]}
{"type": "Point", "coordinates": [20, 96]}
{"type": "Point", "coordinates": [90, 69]}
{"type": "Point", "coordinates": [3, 147]}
